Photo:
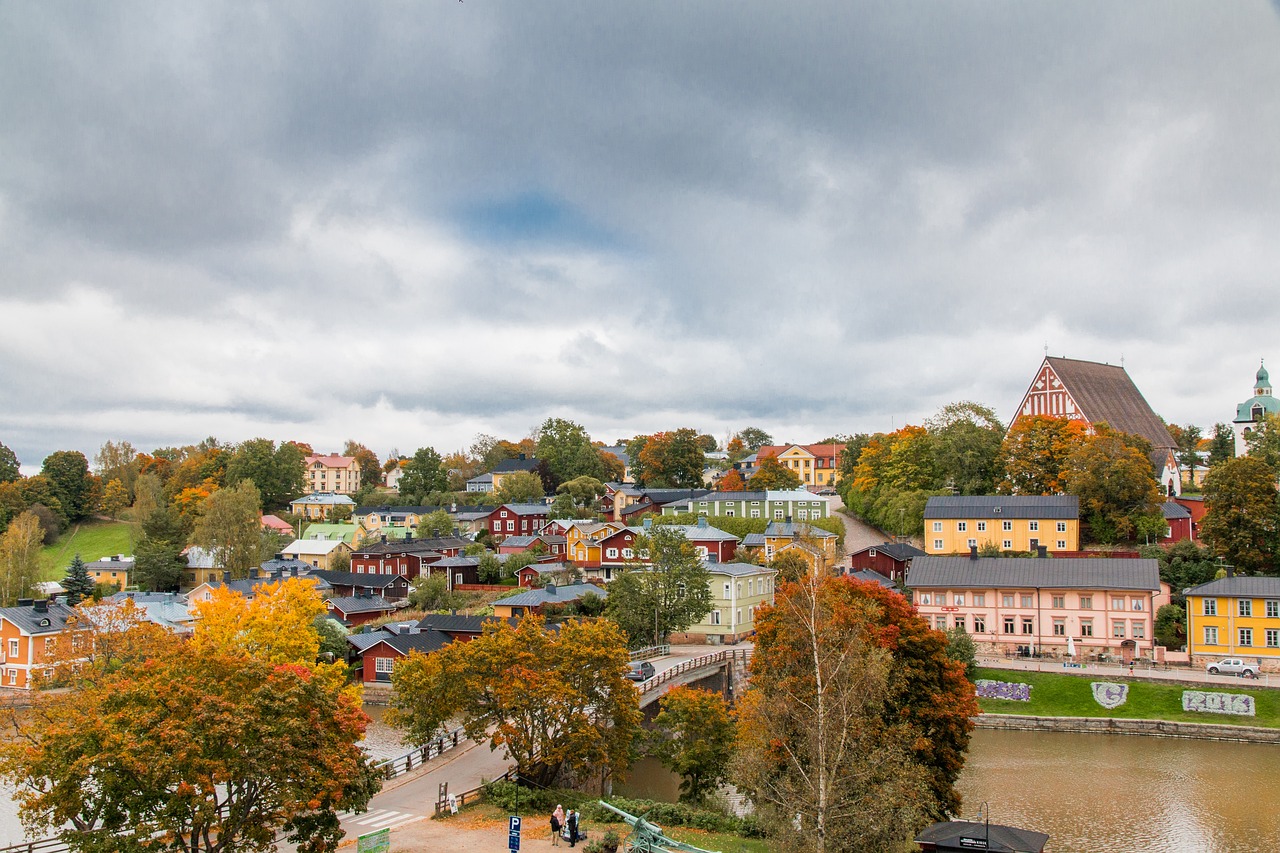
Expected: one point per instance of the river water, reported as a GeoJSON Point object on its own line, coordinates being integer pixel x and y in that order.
{"type": "Point", "coordinates": [1097, 793]}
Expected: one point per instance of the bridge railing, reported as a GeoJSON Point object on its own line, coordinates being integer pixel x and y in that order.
{"type": "Point", "coordinates": [415, 757]}
{"type": "Point", "coordinates": [44, 845]}
{"type": "Point", "coordinates": [651, 652]}
{"type": "Point", "coordinates": [667, 675]}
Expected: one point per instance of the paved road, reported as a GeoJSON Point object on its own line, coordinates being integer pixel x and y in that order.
{"type": "Point", "coordinates": [857, 533]}
{"type": "Point", "coordinates": [1177, 674]}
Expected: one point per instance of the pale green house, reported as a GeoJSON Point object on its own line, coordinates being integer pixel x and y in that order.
{"type": "Point", "coordinates": [796, 505]}
{"type": "Point", "coordinates": [738, 590]}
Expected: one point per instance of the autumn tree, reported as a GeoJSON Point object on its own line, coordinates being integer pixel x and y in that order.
{"type": "Point", "coordinates": [732, 482]}
{"type": "Point", "coordinates": [1241, 518]}
{"type": "Point", "coordinates": [790, 566]}
{"type": "Point", "coordinates": [693, 737]}
{"type": "Point", "coordinates": [772, 474]}
{"type": "Point", "coordinates": [78, 584]}
{"type": "Point", "coordinates": [229, 528]}
{"type": "Point", "coordinates": [1111, 473]}
{"type": "Point", "coordinates": [554, 700]}
{"type": "Point", "coordinates": [520, 487]}
{"type": "Point", "coordinates": [1263, 442]}
{"type": "Point", "coordinates": [19, 557]}
{"type": "Point", "coordinates": [10, 468]}
{"type": "Point", "coordinates": [668, 595]}
{"type": "Point", "coordinates": [74, 486]}
{"type": "Point", "coordinates": [434, 524]}
{"type": "Point", "coordinates": [158, 561]}
{"type": "Point", "coordinates": [1034, 455]}
{"type": "Point", "coordinates": [670, 459]}
{"type": "Point", "coordinates": [370, 469]}
{"type": "Point", "coordinates": [737, 450]}
{"type": "Point", "coordinates": [276, 625]}
{"type": "Point", "coordinates": [115, 497]}
{"type": "Point", "coordinates": [279, 473]}
{"type": "Point", "coordinates": [204, 748]}
{"type": "Point", "coordinates": [820, 753]}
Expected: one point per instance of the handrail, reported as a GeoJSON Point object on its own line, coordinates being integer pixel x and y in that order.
{"type": "Point", "coordinates": [391, 767]}
{"type": "Point", "coordinates": [44, 845]}
{"type": "Point", "coordinates": [685, 666]}
{"type": "Point", "coordinates": [651, 652]}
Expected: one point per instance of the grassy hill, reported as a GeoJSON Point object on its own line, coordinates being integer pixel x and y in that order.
{"type": "Point", "coordinates": [92, 540]}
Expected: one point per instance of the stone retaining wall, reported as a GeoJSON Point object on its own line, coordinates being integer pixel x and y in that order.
{"type": "Point", "coordinates": [1116, 726]}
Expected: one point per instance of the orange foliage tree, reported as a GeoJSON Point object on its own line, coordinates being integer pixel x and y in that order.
{"type": "Point", "coordinates": [732, 482]}
{"type": "Point", "coordinates": [1035, 452]}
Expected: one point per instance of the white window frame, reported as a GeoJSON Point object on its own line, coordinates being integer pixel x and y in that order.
{"type": "Point", "coordinates": [383, 665]}
{"type": "Point", "coordinates": [1246, 637]}
{"type": "Point", "coordinates": [1211, 635]}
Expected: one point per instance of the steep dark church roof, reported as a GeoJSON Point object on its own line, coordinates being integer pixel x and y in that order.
{"type": "Point", "coordinates": [1105, 393]}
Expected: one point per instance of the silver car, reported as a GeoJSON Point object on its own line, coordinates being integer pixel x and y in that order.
{"type": "Point", "coordinates": [1233, 666]}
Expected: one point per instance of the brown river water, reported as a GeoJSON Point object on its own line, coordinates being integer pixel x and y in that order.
{"type": "Point", "coordinates": [1091, 793]}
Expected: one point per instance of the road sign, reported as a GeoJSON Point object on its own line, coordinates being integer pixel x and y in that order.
{"type": "Point", "coordinates": [374, 842]}
{"type": "Point", "coordinates": [513, 840]}
{"type": "Point", "coordinates": [513, 824]}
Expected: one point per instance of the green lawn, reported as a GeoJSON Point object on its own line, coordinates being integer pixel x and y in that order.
{"type": "Point", "coordinates": [91, 540]}
{"type": "Point", "coordinates": [1054, 695]}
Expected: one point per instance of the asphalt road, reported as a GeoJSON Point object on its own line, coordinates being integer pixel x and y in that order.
{"type": "Point", "coordinates": [1185, 675]}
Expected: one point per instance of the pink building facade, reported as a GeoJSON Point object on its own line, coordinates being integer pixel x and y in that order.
{"type": "Point", "coordinates": [1012, 605]}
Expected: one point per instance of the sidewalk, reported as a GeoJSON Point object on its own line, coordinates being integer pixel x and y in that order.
{"type": "Point", "coordinates": [1182, 675]}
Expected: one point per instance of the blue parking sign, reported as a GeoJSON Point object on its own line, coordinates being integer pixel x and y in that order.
{"type": "Point", "coordinates": [513, 840]}
{"type": "Point", "coordinates": [513, 824]}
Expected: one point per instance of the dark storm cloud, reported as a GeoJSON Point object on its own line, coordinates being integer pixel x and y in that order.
{"type": "Point", "coordinates": [403, 220]}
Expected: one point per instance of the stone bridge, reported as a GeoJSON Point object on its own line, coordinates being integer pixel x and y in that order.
{"type": "Point", "coordinates": [725, 671]}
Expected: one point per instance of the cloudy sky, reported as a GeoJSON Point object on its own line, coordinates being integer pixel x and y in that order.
{"type": "Point", "coordinates": [410, 222]}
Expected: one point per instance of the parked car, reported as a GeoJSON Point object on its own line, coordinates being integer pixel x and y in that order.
{"type": "Point", "coordinates": [1233, 666]}
{"type": "Point", "coordinates": [640, 670]}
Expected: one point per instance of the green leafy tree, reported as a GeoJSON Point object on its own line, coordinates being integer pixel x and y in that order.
{"type": "Point", "coordinates": [77, 583]}
{"type": "Point", "coordinates": [435, 524]}
{"type": "Point", "coordinates": [19, 557]}
{"type": "Point", "coordinates": [672, 593]}
{"type": "Point", "coordinates": [1171, 627]}
{"type": "Point", "coordinates": [672, 459]}
{"type": "Point", "coordinates": [489, 569]}
{"type": "Point", "coordinates": [568, 452]}
{"type": "Point", "coordinates": [1183, 564]}
{"type": "Point", "coordinates": [333, 638]}
{"type": "Point", "coordinates": [754, 438]}
{"type": "Point", "coordinates": [279, 473]}
{"type": "Point", "coordinates": [229, 528]}
{"type": "Point", "coordinates": [159, 565]}
{"type": "Point", "coordinates": [583, 490]}
{"type": "Point", "coordinates": [963, 650]}
{"type": "Point", "coordinates": [1240, 521]}
{"type": "Point", "coordinates": [115, 497]}
{"type": "Point", "coordinates": [10, 468]}
{"type": "Point", "coordinates": [431, 592]}
{"type": "Point", "coordinates": [965, 442]}
{"type": "Point", "coordinates": [1263, 441]}
{"type": "Point", "coordinates": [68, 473]}
{"type": "Point", "coordinates": [562, 507]}
{"type": "Point", "coordinates": [1188, 438]}
{"type": "Point", "coordinates": [423, 474]}
{"type": "Point", "coordinates": [1222, 445]}
{"type": "Point", "coordinates": [772, 474]}
{"type": "Point", "coordinates": [693, 737]}
{"type": "Point", "coordinates": [118, 461]}
{"type": "Point", "coordinates": [520, 487]}
{"type": "Point", "coordinates": [370, 469]}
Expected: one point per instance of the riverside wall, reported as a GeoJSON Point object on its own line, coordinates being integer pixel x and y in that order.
{"type": "Point", "coordinates": [1116, 726]}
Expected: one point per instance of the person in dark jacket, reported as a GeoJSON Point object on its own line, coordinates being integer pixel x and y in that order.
{"type": "Point", "coordinates": [557, 819]}
{"type": "Point", "coordinates": [572, 823]}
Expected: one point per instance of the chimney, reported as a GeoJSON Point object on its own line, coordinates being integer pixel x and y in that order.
{"type": "Point", "coordinates": [973, 552]}
{"type": "Point", "coordinates": [788, 519]}
{"type": "Point", "coordinates": [226, 577]}
{"type": "Point", "coordinates": [253, 574]}
{"type": "Point", "coordinates": [521, 457]}
{"type": "Point", "coordinates": [26, 602]}
{"type": "Point", "coordinates": [1231, 572]}
{"type": "Point", "coordinates": [550, 589]}
{"type": "Point", "coordinates": [1042, 551]}
{"type": "Point", "coordinates": [384, 539]}
{"type": "Point", "coordinates": [293, 571]}
{"type": "Point", "coordinates": [702, 521]}
{"type": "Point", "coordinates": [41, 606]}
{"type": "Point", "coordinates": [280, 556]}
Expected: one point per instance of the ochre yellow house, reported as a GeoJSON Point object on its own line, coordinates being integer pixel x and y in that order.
{"type": "Point", "coordinates": [583, 540]}
{"type": "Point", "coordinates": [1235, 617]}
{"type": "Point", "coordinates": [814, 464]}
{"type": "Point", "coordinates": [955, 524]}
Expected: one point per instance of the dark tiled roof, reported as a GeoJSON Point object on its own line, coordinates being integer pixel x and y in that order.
{"type": "Point", "coordinates": [360, 579]}
{"type": "Point", "coordinates": [900, 551]}
{"type": "Point", "coordinates": [108, 564]}
{"type": "Point", "coordinates": [1105, 393]}
{"type": "Point", "coordinates": [526, 509]}
{"type": "Point", "coordinates": [423, 641]}
{"type": "Point", "coordinates": [461, 624]}
{"type": "Point", "coordinates": [1028, 572]}
{"type": "Point", "coordinates": [754, 540]}
{"type": "Point", "coordinates": [31, 622]}
{"type": "Point", "coordinates": [509, 466]}
{"type": "Point", "coordinates": [1239, 587]}
{"type": "Point", "coordinates": [454, 562]}
{"type": "Point", "coordinates": [792, 528]}
{"type": "Point", "coordinates": [1173, 510]}
{"type": "Point", "coordinates": [360, 604]}
{"type": "Point", "coordinates": [519, 541]}
{"type": "Point", "coordinates": [730, 496]}
{"type": "Point", "coordinates": [561, 595]}
{"type": "Point", "coordinates": [874, 577]}
{"type": "Point", "coordinates": [1003, 506]}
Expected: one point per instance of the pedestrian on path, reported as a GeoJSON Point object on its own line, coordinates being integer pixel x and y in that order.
{"type": "Point", "coordinates": [557, 821]}
{"type": "Point", "coordinates": [572, 824]}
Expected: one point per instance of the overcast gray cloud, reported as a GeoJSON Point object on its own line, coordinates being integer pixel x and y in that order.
{"type": "Point", "coordinates": [407, 223]}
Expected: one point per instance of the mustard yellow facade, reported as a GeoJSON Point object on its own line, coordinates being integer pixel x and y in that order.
{"type": "Point", "coordinates": [954, 524]}
{"type": "Point", "coordinates": [1235, 617]}
{"type": "Point", "coordinates": [815, 465]}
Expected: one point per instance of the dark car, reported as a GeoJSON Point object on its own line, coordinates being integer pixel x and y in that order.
{"type": "Point", "coordinates": [640, 670]}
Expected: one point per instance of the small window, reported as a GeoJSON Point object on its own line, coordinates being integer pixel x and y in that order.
{"type": "Point", "coordinates": [925, 598]}
{"type": "Point", "coordinates": [1139, 630]}
{"type": "Point", "coordinates": [1117, 629]}
{"type": "Point", "coordinates": [1210, 606]}
{"type": "Point", "coordinates": [1062, 527]}
{"type": "Point", "coordinates": [937, 527]}
{"type": "Point", "coordinates": [1007, 544]}
{"type": "Point", "coordinates": [1006, 526]}
{"type": "Point", "coordinates": [1245, 606]}
{"type": "Point", "coordinates": [1246, 637]}
{"type": "Point", "coordinates": [940, 622]}
{"type": "Point", "coordinates": [982, 527]}
{"type": "Point", "coordinates": [1028, 601]}
{"type": "Point", "coordinates": [1273, 638]}
{"type": "Point", "coordinates": [979, 623]}
{"type": "Point", "coordinates": [715, 617]}
{"type": "Point", "coordinates": [959, 599]}
{"type": "Point", "coordinates": [1117, 604]}
{"type": "Point", "coordinates": [979, 599]}
{"type": "Point", "coordinates": [937, 544]}
{"type": "Point", "coordinates": [1086, 627]}
{"type": "Point", "coordinates": [1028, 625]}
{"type": "Point", "coordinates": [1006, 600]}
{"type": "Point", "coordinates": [1059, 627]}
{"type": "Point", "coordinates": [1033, 526]}
{"type": "Point", "coordinates": [1008, 624]}
{"type": "Point", "coordinates": [1059, 602]}
{"type": "Point", "coordinates": [1062, 545]}
{"type": "Point", "coordinates": [383, 665]}
{"type": "Point", "coordinates": [962, 526]}
{"type": "Point", "coordinates": [1210, 636]}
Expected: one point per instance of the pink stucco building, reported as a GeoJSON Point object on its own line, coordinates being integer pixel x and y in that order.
{"type": "Point", "coordinates": [1013, 604]}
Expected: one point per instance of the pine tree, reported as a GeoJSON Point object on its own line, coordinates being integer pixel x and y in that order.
{"type": "Point", "coordinates": [77, 583]}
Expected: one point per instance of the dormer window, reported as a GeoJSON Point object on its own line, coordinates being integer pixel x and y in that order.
{"type": "Point", "coordinates": [1257, 412]}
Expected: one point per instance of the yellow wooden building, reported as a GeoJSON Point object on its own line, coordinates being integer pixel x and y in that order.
{"type": "Point", "coordinates": [1021, 523]}
{"type": "Point", "coordinates": [1235, 617]}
